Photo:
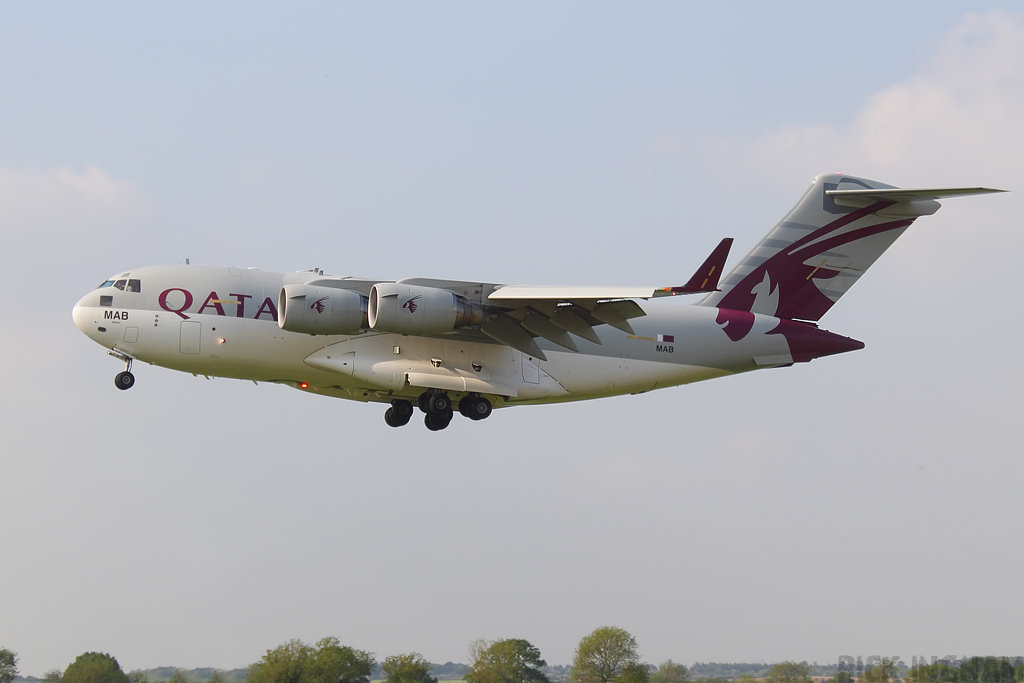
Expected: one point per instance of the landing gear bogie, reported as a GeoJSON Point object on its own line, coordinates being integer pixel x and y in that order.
{"type": "Point", "coordinates": [475, 407]}
{"type": "Point", "coordinates": [438, 410]}
{"type": "Point", "coordinates": [399, 414]}
{"type": "Point", "coordinates": [436, 423]}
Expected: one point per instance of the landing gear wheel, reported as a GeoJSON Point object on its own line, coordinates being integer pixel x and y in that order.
{"type": "Point", "coordinates": [439, 404]}
{"type": "Point", "coordinates": [464, 406]}
{"type": "Point", "coordinates": [436, 423]}
{"type": "Point", "coordinates": [394, 417]}
{"type": "Point", "coordinates": [422, 401]}
{"type": "Point", "coordinates": [479, 408]}
{"type": "Point", "coordinates": [399, 414]}
{"type": "Point", "coordinates": [402, 409]}
{"type": "Point", "coordinates": [124, 380]}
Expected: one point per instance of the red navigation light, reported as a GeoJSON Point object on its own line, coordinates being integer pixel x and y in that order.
{"type": "Point", "coordinates": [304, 385]}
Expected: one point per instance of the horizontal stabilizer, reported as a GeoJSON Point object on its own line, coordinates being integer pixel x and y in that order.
{"type": "Point", "coordinates": [898, 194]}
{"type": "Point", "coordinates": [905, 203]}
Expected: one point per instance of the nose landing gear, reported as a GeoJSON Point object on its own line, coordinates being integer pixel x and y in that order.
{"type": "Point", "coordinates": [124, 380]}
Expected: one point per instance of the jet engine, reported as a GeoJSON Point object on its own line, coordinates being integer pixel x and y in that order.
{"type": "Point", "coordinates": [320, 310]}
{"type": "Point", "coordinates": [408, 309]}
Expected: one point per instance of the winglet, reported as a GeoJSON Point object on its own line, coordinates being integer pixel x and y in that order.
{"type": "Point", "coordinates": [706, 277]}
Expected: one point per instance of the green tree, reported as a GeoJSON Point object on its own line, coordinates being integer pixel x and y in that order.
{"type": "Point", "coordinates": [880, 672]}
{"type": "Point", "coordinates": [1018, 673]}
{"type": "Point", "coordinates": [134, 677]}
{"type": "Point", "coordinates": [635, 672]}
{"type": "Point", "coordinates": [843, 677]}
{"type": "Point", "coordinates": [217, 677]}
{"type": "Point", "coordinates": [331, 662]}
{"type": "Point", "coordinates": [52, 676]}
{"type": "Point", "coordinates": [326, 662]}
{"type": "Point", "coordinates": [8, 665]}
{"type": "Point", "coordinates": [789, 672]}
{"type": "Point", "coordinates": [178, 677]}
{"type": "Point", "coordinates": [938, 672]}
{"type": "Point", "coordinates": [410, 668]}
{"type": "Point", "coordinates": [283, 664]}
{"type": "Point", "coordinates": [94, 667]}
{"type": "Point", "coordinates": [986, 670]}
{"type": "Point", "coordinates": [512, 660]}
{"type": "Point", "coordinates": [604, 656]}
{"type": "Point", "coordinates": [670, 672]}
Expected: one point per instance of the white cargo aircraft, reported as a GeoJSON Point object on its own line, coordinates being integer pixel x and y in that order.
{"type": "Point", "coordinates": [478, 345]}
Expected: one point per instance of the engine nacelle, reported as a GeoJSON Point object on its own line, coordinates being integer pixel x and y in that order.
{"type": "Point", "coordinates": [320, 310]}
{"type": "Point", "coordinates": [407, 309]}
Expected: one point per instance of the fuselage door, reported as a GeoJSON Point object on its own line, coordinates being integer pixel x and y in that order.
{"type": "Point", "coordinates": [191, 332]}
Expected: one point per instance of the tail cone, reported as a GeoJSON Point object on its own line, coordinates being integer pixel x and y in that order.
{"type": "Point", "coordinates": [807, 342]}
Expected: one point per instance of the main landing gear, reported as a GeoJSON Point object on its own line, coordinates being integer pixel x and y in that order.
{"type": "Point", "coordinates": [437, 409]}
{"type": "Point", "coordinates": [399, 413]}
{"type": "Point", "coordinates": [124, 380]}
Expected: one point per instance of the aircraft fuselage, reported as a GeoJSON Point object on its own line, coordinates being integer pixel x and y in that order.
{"type": "Point", "coordinates": [223, 322]}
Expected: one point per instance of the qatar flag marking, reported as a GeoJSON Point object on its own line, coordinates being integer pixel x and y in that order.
{"type": "Point", "coordinates": [670, 338]}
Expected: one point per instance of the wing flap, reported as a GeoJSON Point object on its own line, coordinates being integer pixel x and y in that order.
{"type": "Point", "coordinates": [507, 331]}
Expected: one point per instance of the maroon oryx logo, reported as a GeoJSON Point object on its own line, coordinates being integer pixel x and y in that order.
{"type": "Point", "coordinates": [411, 304]}
{"type": "Point", "coordinates": [318, 305]}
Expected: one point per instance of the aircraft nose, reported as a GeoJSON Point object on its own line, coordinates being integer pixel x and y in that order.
{"type": "Point", "coordinates": [82, 315]}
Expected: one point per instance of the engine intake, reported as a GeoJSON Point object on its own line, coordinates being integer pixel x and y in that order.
{"type": "Point", "coordinates": [408, 309]}
{"type": "Point", "coordinates": [320, 310]}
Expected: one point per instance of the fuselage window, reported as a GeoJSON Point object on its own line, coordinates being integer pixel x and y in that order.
{"type": "Point", "coordinates": [106, 301]}
{"type": "Point", "coordinates": [120, 284]}
{"type": "Point", "coordinates": [134, 286]}
{"type": "Point", "coordinates": [106, 284]}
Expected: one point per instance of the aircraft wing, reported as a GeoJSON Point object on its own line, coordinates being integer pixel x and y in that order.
{"type": "Point", "coordinates": [517, 314]}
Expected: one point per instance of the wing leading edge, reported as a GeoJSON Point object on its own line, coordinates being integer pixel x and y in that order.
{"type": "Point", "coordinates": [515, 315]}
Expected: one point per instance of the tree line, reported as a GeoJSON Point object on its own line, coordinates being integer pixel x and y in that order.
{"type": "Point", "coordinates": [606, 655]}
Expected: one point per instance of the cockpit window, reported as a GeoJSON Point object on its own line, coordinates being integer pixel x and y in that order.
{"type": "Point", "coordinates": [106, 301]}
{"type": "Point", "coordinates": [134, 286]}
{"type": "Point", "coordinates": [120, 284]}
{"type": "Point", "coordinates": [106, 284]}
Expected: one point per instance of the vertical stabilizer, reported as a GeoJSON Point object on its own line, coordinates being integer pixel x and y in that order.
{"type": "Point", "coordinates": [822, 247]}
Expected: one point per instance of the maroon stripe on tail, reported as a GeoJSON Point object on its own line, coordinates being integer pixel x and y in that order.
{"type": "Point", "coordinates": [799, 296]}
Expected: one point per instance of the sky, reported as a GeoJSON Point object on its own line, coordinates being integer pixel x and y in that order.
{"type": "Point", "coordinates": [863, 504]}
